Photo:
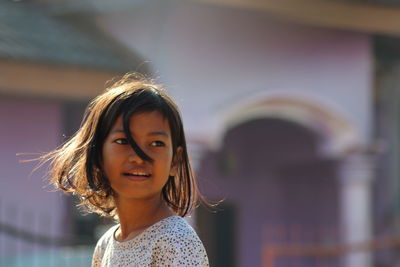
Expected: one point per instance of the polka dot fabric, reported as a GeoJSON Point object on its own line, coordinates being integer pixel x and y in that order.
{"type": "Point", "coordinates": [169, 242]}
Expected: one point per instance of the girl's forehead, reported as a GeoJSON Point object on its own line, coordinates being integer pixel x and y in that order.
{"type": "Point", "coordinates": [144, 121]}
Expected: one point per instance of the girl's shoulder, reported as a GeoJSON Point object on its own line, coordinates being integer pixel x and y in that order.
{"type": "Point", "coordinates": [107, 237]}
{"type": "Point", "coordinates": [105, 240]}
{"type": "Point", "coordinates": [176, 226]}
{"type": "Point", "coordinates": [176, 234]}
{"type": "Point", "coordinates": [177, 244]}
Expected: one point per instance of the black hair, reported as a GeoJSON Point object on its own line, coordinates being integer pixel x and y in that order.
{"type": "Point", "coordinates": [77, 166]}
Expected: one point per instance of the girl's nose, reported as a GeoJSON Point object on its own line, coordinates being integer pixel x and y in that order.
{"type": "Point", "coordinates": [134, 157]}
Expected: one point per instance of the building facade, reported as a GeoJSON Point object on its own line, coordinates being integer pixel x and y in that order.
{"type": "Point", "coordinates": [285, 116]}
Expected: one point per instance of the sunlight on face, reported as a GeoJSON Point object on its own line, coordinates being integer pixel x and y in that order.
{"type": "Point", "coordinates": [129, 175]}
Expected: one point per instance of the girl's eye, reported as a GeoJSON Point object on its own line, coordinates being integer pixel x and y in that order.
{"type": "Point", "coordinates": [157, 143]}
{"type": "Point", "coordinates": [121, 141]}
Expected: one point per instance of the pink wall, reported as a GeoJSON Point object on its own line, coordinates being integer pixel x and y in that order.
{"type": "Point", "coordinates": [31, 126]}
{"type": "Point", "coordinates": [201, 51]}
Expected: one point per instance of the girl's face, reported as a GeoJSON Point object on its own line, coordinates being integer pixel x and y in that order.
{"type": "Point", "coordinates": [128, 174]}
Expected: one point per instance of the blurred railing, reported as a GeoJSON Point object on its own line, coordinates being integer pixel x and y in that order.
{"type": "Point", "coordinates": [321, 254]}
{"type": "Point", "coordinates": [27, 240]}
{"type": "Point", "coordinates": [316, 252]}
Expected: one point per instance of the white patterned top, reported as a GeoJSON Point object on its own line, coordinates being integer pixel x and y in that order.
{"type": "Point", "coordinates": [169, 242]}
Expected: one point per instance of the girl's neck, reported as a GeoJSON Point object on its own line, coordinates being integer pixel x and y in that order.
{"type": "Point", "coordinates": [137, 215]}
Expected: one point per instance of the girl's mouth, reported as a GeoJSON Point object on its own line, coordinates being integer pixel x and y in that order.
{"type": "Point", "coordinates": [137, 175]}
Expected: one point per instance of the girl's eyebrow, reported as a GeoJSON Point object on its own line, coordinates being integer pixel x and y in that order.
{"type": "Point", "coordinates": [155, 133]}
{"type": "Point", "coordinates": [117, 130]}
{"type": "Point", "coordinates": [162, 133]}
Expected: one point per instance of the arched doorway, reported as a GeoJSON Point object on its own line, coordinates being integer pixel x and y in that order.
{"type": "Point", "coordinates": [272, 176]}
{"type": "Point", "coordinates": [275, 161]}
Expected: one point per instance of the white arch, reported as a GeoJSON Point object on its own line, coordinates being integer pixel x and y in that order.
{"type": "Point", "coordinates": [338, 135]}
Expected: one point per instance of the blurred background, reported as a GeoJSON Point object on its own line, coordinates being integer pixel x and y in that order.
{"type": "Point", "coordinates": [291, 111]}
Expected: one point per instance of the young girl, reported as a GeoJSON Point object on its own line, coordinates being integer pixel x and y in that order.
{"type": "Point", "coordinates": [129, 161]}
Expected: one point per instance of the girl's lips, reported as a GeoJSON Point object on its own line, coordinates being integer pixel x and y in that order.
{"type": "Point", "coordinates": [137, 177]}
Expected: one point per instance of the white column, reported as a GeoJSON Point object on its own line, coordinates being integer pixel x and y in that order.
{"type": "Point", "coordinates": [356, 175]}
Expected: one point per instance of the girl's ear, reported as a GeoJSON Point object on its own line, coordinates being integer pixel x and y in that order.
{"type": "Point", "coordinates": [175, 161]}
